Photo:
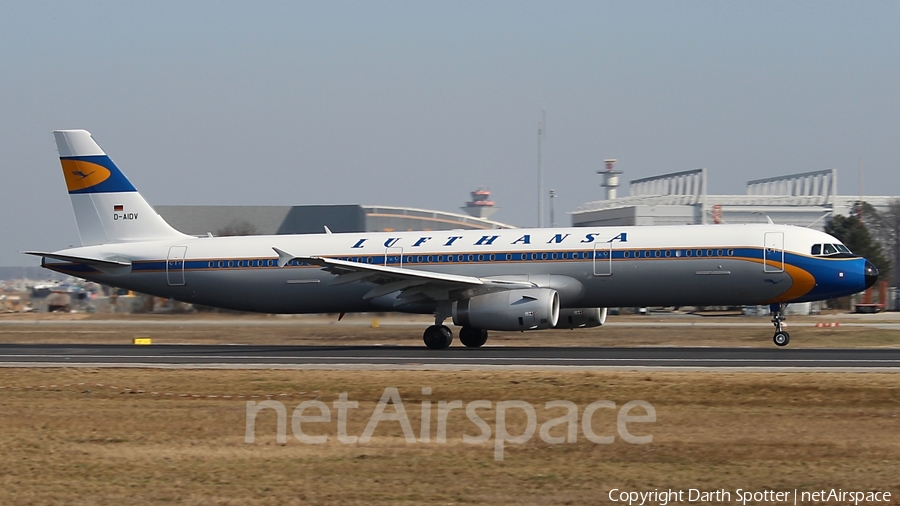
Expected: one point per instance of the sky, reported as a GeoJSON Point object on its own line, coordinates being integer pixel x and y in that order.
{"type": "Point", "coordinates": [418, 103]}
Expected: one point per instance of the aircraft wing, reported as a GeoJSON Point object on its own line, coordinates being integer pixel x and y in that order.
{"type": "Point", "coordinates": [414, 285]}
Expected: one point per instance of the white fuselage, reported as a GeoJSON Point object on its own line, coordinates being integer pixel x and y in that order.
{"type": "Point", "coordinates": [588, 267]}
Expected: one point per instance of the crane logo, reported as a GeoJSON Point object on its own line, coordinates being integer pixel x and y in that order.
{"type": "Point", "coordinates": [81, 174]}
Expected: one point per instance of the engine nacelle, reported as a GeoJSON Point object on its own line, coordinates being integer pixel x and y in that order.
{"type": "Point", "coordinates": [581, 318]}
{"type": "Point", "coordinates": [527, 309]}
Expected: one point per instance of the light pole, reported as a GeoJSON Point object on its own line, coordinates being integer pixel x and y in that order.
{"type": "Point", "coordinates": [541, 133]}
{"type": "Point", "coordinates": [552, 215]}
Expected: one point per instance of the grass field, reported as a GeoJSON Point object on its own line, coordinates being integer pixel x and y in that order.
{"type": "Point", "coordinates": [68, 440]}
{"type": "Point", "coordinates": [81, 436]}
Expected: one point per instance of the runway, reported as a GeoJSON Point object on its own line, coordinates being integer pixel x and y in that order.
{"type": "Point", "coordinates": [406, 357]}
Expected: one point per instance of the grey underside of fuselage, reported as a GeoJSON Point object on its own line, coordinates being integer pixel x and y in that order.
{"type": "Point", "coordinates": [626, 283]}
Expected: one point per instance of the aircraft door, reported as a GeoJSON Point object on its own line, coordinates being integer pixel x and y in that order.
{"type": "Point", "coordinates": [175, 265]}
{"type": "Point", "coordinates": [393, 257]}
{"type": "Point", "coordinates": [774, 252]}
{"type": "Point", "coordinates": [603, 253]}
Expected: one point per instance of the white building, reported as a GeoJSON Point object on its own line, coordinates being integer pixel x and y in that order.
{"type": "Point", "coordinates": [679, 198]}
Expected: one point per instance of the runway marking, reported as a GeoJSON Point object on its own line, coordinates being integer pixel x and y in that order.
{"type": "Point", "coordinates": [762, 322]}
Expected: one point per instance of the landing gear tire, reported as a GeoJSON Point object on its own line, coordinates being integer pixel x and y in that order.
{"type": "Point", "coordinates": [781, 338]}
{"type": "Point", "coordinates": [437, 337]}
{"type": "Point", "coordinates": [472, 338]}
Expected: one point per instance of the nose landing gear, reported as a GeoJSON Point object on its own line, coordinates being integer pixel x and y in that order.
{"type": "Point", "coordinates": [781, 338]}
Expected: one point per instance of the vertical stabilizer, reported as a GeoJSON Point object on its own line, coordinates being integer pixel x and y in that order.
{"type": "Point", "coordinates": [108, 209]}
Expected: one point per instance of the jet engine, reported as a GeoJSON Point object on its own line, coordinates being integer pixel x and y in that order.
{"type": "Point", "coordinates": [581, 318]}
{"type": "Point", "coordinates": [526, 309]}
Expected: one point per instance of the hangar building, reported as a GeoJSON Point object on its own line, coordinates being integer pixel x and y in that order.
{"type": "Point", "coordinates": [806, 199]}
{"type": "Point", "coordinates": [272, 220]}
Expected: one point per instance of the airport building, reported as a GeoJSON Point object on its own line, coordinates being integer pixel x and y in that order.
{"type": "Point", "coordinates": [274, 220]}
{"type": "Point", "coordinates": [807, 199]}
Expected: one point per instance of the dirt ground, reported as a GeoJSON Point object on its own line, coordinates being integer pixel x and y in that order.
{"type": "Point", "coordinates": [114, 436]}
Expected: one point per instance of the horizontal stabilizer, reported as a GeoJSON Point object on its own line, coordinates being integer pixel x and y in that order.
{"type": "Point", "coordinates": [94, 262]}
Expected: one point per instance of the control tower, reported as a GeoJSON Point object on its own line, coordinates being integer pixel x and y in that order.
{"type": "Point", "coordinates": [610, 178]}
{"type": "Point", "coordinates": [481, 205]}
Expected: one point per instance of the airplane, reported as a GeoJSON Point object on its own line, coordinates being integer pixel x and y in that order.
{"type": "Point", "coordinates": [504, 280]}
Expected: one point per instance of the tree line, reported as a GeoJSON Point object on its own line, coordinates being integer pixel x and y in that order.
{"type": "Point", "coordinates": [872, 234]}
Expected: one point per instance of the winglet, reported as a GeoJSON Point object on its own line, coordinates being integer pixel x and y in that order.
{"type": "Point", "coordinates": [284, 257]}
{"type": "Point", "coordinates": [769, 220]}
{"type": "Point", "coordinates": [328, 230]}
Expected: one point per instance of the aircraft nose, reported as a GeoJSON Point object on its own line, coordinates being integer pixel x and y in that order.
{"type": "Point", "coordinates": [871, 274]}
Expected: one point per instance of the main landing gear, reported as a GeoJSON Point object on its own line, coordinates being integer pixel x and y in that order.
{"type": "Point", "coordinates": [472, 338]}
{"type": "Point", "coordinates": [439, 336]}
{"type": "Point", "coordinates": [781, 338]}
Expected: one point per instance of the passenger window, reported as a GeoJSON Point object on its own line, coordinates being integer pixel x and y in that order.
{"type": "Point", "coordinates": [829, 249]}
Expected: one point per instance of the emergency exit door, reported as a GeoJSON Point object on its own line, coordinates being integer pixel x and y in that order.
{"type": "Point", "coordinates": [603, 254]}
{"type": "Point", "coordinates": [175, 265]}
{"type": "Point", "coordinates": [774, 252]}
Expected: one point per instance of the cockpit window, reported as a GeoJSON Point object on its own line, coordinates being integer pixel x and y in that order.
{"type": "Point", "coordinates": [829, 249]}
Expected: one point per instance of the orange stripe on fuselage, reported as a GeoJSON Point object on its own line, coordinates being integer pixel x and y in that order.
{"type": "Point", "coordinates": [802, 282]}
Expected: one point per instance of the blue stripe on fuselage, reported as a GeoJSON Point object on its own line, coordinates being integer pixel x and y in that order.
{"type": "Point", "coordinates": [835, 277]}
